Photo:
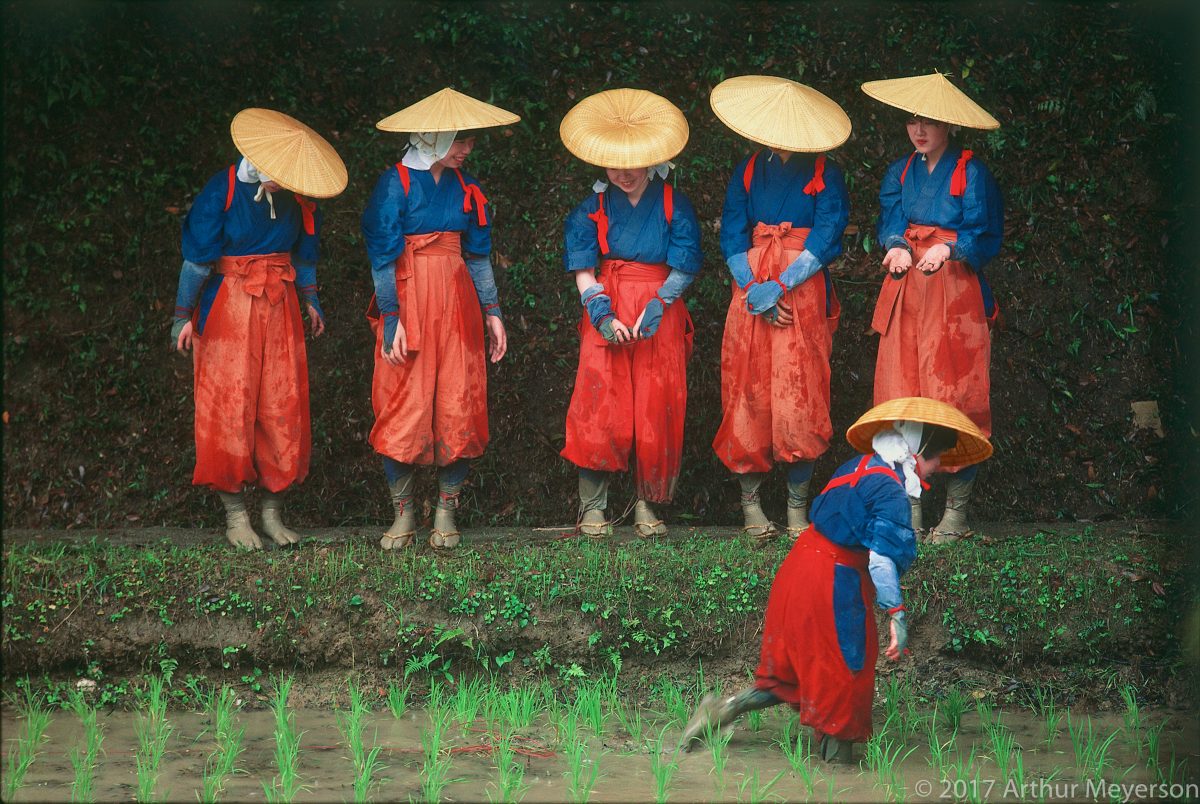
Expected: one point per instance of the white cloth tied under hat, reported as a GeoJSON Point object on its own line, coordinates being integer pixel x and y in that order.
{"type": "Point", "coordinates": [900, 445]}
{"type": "Point", "coordinates": [662, 169]}
{"type": "Point", "coordinates": [426, 149]}
{"type": "Point", "coordinates": [249, 174]}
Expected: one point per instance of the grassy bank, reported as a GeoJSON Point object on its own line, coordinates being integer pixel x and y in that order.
{"type": "Point", "coordinates": [1085, 607]}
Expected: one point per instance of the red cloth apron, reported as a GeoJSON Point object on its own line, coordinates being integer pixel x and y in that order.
{"type": "Point", "coordinates": [251, 380]}
{"type": "Point", "coordinates": [432, 409]}
{"type": "Point", "coordinates": [632, 396]}
{"type": "Point", "coordinates": [934, 339]}
{"type": "Point", "coordinates": [801, 662]}
{"type": "Point", "coordinates": [775, 380]}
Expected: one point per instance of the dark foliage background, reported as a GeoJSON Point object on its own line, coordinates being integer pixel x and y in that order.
{"type": "Point", "coordinates": [116, 114]}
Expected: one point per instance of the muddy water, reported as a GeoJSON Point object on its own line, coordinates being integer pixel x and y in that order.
{"type": "Point", "coordinates": [625, 768]}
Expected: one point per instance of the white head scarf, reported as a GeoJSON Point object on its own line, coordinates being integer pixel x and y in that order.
{"type": "Point", "coordinates": [249, 174]}
{"type": "Point", "coordinates": [425, 149]}
{"type": "Point", "coordinates": [900, 445]}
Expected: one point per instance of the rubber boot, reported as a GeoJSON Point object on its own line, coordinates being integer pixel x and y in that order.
{"type": "Point", "coordinates": [272, 520]}
{"type": "Point", "coordinates": [715, 713]}
{"type": "Point", "coordinates": [831, 749]}
{"type": "Point", "coordinates": [593, 499]}
{"type": "Point", "coordinates": [954, 521]}
{"type": "Point", "coordinates": [757, 526]}
{"type": "Point", "coordinates": [797, 508]}
{"type": "Point", "coordinates": [445, 531]}
{"type": "Point", "coordinates": [404, 526]}
{"type": "Point", "coordinates": [238, 530]}
{"type": "Point", "coordinates": [645, 522]}
{"type": "Point", "coordinates": [918, 526]}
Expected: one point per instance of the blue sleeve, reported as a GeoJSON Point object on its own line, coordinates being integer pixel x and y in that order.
{"type": "Point", "coordinates": [581, 249]}
{"type": "Point", "coordinates": [886, 580]}
{"type": "Point", "coordinates": [683, 237]}
{"type": "Point", "coordinates": [307, 249]}
{"type": "Point", "coordinates": [982, 228]}
{"type": "Point", "coordinates": [484, 280]}
{"type": "Point", "coordinates": [735, 218]}
{"type": "Point", "coordinates": [674, 285]}
{"type": "Point", "coordinates": [889, 521]}
{"type": "Point", "coordinates": [477, 240]}
{"type": "Point", "coordinates": [892, 220]}
{"type": "Point", "coordinates": [830, 217]}
{"type": "Point", "coordinates": [192, 277]}
{"type": "Point", "coordinates": [204, 226]}
{"type": "Point", "coordinates": [383, 223]}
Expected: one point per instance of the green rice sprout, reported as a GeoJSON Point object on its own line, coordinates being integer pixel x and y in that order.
{"type": "Point", "coordinates": [884, 755]}
{"type": "Point", "coordinates": [519, 706]}
{"type": "Point", "coordinates": [511, 772]}
{"type": "Point", "coordinates": [631, 721]}
{"type": "Point", "coordinates": [984, 710]}
{"type": "Point", "coordinates": [939, 749]}
{"type": "Point", "coordinates": [588, 706]}
{"type": "Point", "coordinates": [435, 772]}
{"type": "Point", "coordinates": [582, 771]}
{"type": "Point", "coordinates": [797, 747]}
{"type": "Point", "coordinates": [1091, 752]}
{"type": "Point", "coordinates": [1003, 745]}
{"type": "Point", "coordinates": [397, 698]}
{"type": "Point", "coordinates": [286, 783]}
{"type": "Point", "coordinates": [754, 720]}
{"type": "Point", "coordinates": [750, 789]}
{"type": "Point", "coordinates": [222, 762]}
{"type": "Point", "coordinates": [83, 757]}
{"type": "Point", "coordinates": [1173, 772]}
{"type": "Point", "coordinates": [366, 763]}
{"type": "Point", "coordinates": [152, 731]}
{"type": "Point", "coordinates": [466, 701]}
{"type": "Point", "coordinates": [675, 706]}
{"type": "Point", "coordinates": [952, 708]}
{"type": "Point", "coordinates": [717, 740]}
{"type": "Point", "coordinates": [37, 719]}
{"type": "Point", "coordinates": [1153, 737]}
{"type": "Point", "coordinates": [663, 767]}
{"type": "Point", "coordinates": [1133, 714]}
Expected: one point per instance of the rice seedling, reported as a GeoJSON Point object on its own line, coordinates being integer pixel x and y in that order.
{"type": "Point", "coordinates": [750, 789]}
{"type": "Point", "coordinates": [1091, 752]}
{"type": "Point", "coordinates": [582, 771]}
{"type": "Point", "coordinates": [797, 747]}
{"type": "Point", "coordinates": [939, 749]}
{"type": "Point", "coordinates": [631, 721]}
{"type": "Point", "coordinates": [1015, 778]}
{"type": "Point", "coordinates": [754, 720]}
{"type": "Point", "coordinates": [366, 763]}
{"type": "Point", "coordinates": [717, 740]}
{"type": "Point", "coordinates": [512, 785]}
{"type": "Point", "coordinates": [1044, 705]}
{"type": "Point", "coordinates": [1153, 737]}
{"type": "Point", "coordinates": [588, 698]}
{"type": "Point", "coordinates": [969, 785]}
{"type": "Point", "coordinates": [1004, 745]}
{"type": "Point", "coordinates": [152, 731]}
{"type": "Point", "coordinates": [519, 706]}
{"type": "Point", "coordinates": [465, 702]}
{"type": "Point", "coordinates": [435, 772]}
{"type": "Point", "coordinates": [1173, 773]}
{"type": "Point", "coordinates": [286, 783]}
{"type": "Point", "coordinates": [37, 719]}
{"type": "Point", "coordinates": [675, 706]}
{"type": "Point", "coordinates": [952, 708]}
{"type": "Point", "coordinates": [884, 755]}
{"type": "Point", "coordinates": [222, 762]}
{"type": "Point", "coordinates": [397, 698]}
{"type": "Point", "coordinates": [1133, 714]}
{"type": "Point", "coordinates": [83, 757]}
{"type": "Point", "coordinates": [984, 711]}
{"type": "Point", "coordinates": [663, 766]}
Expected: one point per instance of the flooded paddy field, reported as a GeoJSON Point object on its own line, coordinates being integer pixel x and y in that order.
{"type": "Point", "coordinates": [478, 741]}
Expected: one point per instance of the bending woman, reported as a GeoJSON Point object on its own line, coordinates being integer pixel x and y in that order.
{"type": "Point", "coordinates": [785, 211]}
{"type": "Point", "coordinates": [819, 643]}
{"type": "Point", "coordinates": [941, 213]}
{"type": "Point", "coordinates": [634, 248]}
{"type": "Point", "coordinates": [428, 234]}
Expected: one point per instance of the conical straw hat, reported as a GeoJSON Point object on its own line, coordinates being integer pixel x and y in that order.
{"type": "Point", "coordinates": [291, 153]}
{"type": "Point", "coordinates": [972, 446]}
{"type": "Point", "coordinates": [624, 128]}
{"type": "Point", "coordinates": [931, 96]}
{"type": "Point", "coordinates": [780, 113]}
{"type": "Point", "coordinates": [447, 110]}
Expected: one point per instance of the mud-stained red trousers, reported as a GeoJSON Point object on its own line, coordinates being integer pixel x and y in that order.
{"type": "Point", "coordinates": [934, 339]}
{"type": "Point", "coordinates": [802, 662]}
{"type": "Point", "coordinates": [775, 380]}
{"type": "Point", "coordinates": [433, 408]}
{"type": "Point", "coordinates": [632, 397]}
{"type": "Point", "coordinates": [251, 380]}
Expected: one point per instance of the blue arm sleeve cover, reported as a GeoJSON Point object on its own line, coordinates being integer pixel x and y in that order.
{"type": "Point", "coordinates": [886, 580]}
{"type": "Point", "coordinates": [386, 299]}
{"type": "Point", "coordinates": [801, 269]}
{"type": "Point", "coordinates": [739, 269]}
{"type": "Point", "coordinates": [674, 285]}
{"type": "Point", "coordinates": [191, 280]}
{"type": "Point", "coordinates": [306, 284]}
{"type": "Point", "coordinates": [480, 269]}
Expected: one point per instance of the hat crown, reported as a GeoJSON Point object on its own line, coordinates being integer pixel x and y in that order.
{"type": "Point", "coordinates": [780, 113]}
{"type": "Point", "coordinates": [624, 129]}
{"type": "Point", "coordinates": [932, 96]}
{"type": "Point", "coordinates": [972, 447]}
{"type": "Point", "coordinates": [291, 153]}
{"type": "Point", "coordinates": [447, 110]}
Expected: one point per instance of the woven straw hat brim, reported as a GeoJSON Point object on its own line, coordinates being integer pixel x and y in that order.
{"type": "Point", "coordinates": [780, 113]}
{"type": "Point", "coordinates": [931, 96]}
{"type": "Point", "coordinates": [972, 446]}
{"type": "Point", "coordinates": [624, 129]}
{"type": "Point", "coordinates": [291, 153]}
{"type": "Point", "coordinates": [447, 110]}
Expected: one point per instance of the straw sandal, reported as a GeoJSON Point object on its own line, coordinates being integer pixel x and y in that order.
{"type": "Point", "coordinates": [646, 523]}
{"type": "Point", "coordinates": [389, 542]}
{"type": "Point", "coordinates": [444, 534]}
{"type": "Point", "coordinates": [594, 526]}
{"type": "Point", "coordinates": [404, 529]}
{"type": "Point", "coordinates": [935, 536]}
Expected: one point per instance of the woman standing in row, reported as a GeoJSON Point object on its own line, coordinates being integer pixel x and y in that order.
{"type": "Point", "coordinates": [634, 248]}
{"type": "Point", "coordinates": [940, 213]}
{"type": "Point", "coordinates": [428, 234]}
{"type": "Point", "coordinates": [785, 210]}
